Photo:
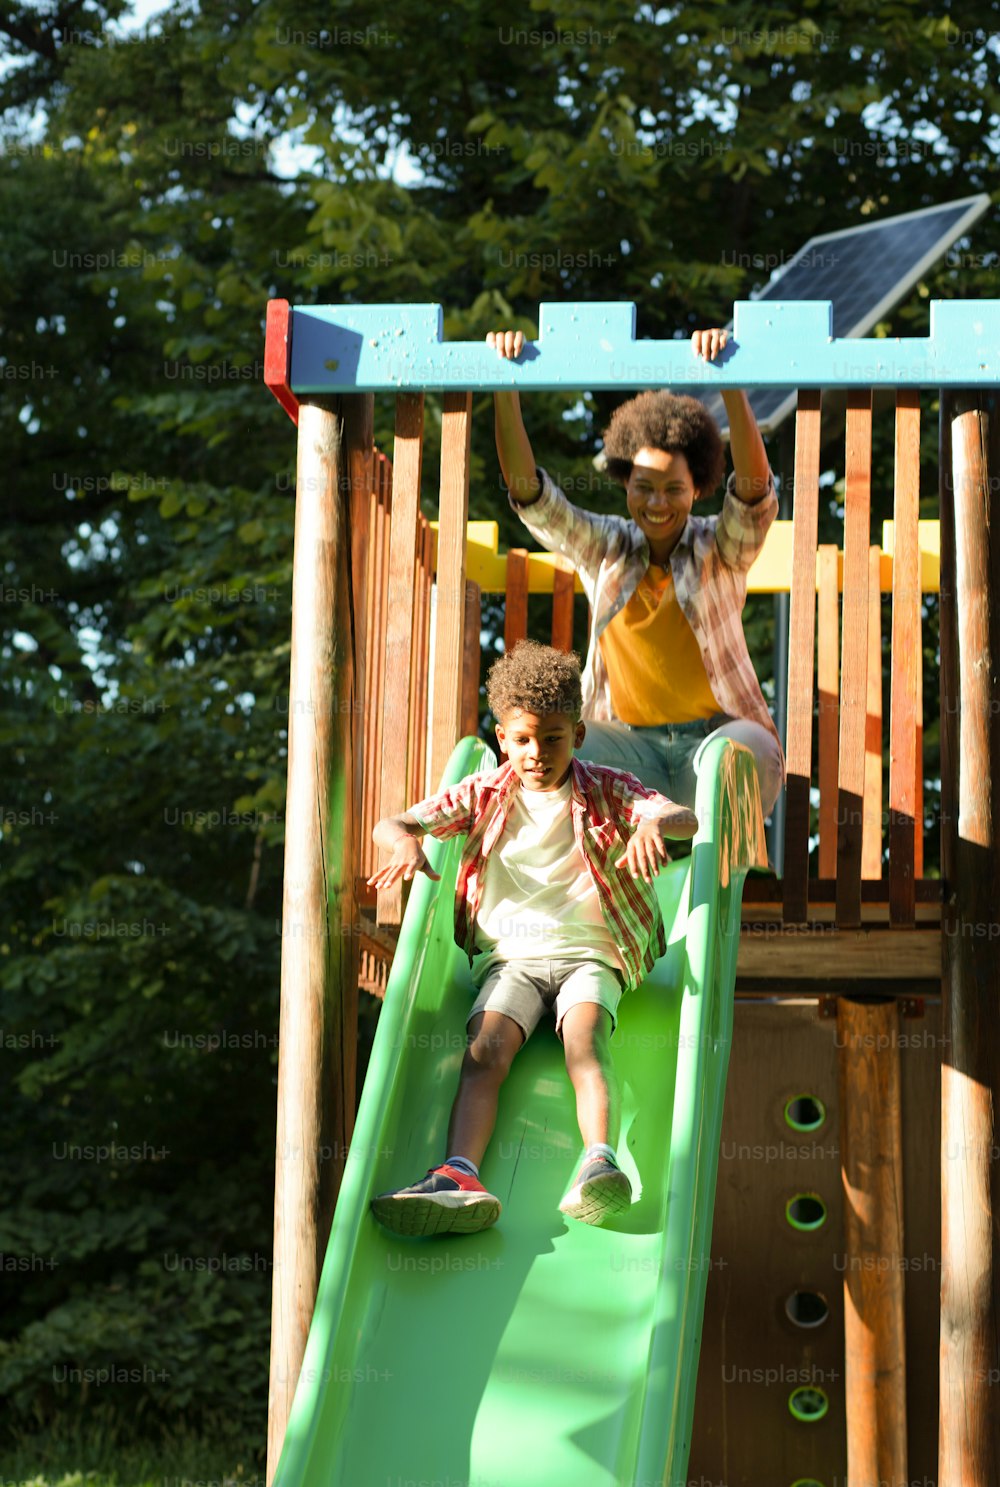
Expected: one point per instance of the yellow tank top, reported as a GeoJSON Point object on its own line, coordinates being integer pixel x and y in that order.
{"type": "Point", "coordinates": [653, 659]}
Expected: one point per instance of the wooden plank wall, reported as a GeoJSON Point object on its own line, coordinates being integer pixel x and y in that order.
{"type": "Point", "coordinates": [752, 1354]}
{"type": "Point", "coordinates": [852, 818]}
{"type": "Point", "coordinates": [835, 647]}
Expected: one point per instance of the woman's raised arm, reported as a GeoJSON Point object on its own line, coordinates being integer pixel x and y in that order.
{"type": "Point", "coordinates": [750, 462]}
{"type": "Point", "coordinates": [517, 463]}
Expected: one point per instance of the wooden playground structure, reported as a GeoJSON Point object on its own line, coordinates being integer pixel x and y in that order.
{"type": "Point", "coordinates": [850, 1337]}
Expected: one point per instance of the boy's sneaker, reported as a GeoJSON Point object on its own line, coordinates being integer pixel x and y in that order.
{"type": "Point", "coordinates": [601, 1188]}
{"type": "Point", "coordinates": [446, 1201]}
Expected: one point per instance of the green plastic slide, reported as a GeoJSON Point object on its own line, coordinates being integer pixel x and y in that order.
{"type": "Point", "coordinates": [542, 1352]}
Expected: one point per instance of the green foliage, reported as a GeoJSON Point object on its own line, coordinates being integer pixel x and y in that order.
{"type": "Point", "coordinates": [150, 210]}
{"type": "Point", "coordinates": [96, 1455]}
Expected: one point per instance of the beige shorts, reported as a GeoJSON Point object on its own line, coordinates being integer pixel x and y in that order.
{"type": "Point", "coordinates": [524, 989]}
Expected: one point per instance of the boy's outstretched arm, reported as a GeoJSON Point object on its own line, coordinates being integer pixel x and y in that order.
{"type": "Point", "coordinates": [400, 835]}
{"type": "Point", "coordinates": [645, 850]}
{"type": "Point", "coordinates": [750, 462]}
{"type": "Point", "coordinates": [517, 463]}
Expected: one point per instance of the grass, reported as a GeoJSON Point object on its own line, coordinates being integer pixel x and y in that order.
{"type": "Point", "coordinates": [96, 1458]}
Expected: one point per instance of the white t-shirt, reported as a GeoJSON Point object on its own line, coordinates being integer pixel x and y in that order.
{"type": "Point", "coordinates": [539, 900]}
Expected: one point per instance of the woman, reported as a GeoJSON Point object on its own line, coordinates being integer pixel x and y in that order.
{"type": "Point", "coordinates": [667, 667]}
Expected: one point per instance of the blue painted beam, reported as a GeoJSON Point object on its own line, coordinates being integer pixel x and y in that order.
{"type": "Point", "coordinates": [393, 348]}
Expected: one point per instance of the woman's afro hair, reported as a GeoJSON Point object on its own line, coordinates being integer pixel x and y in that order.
{"type": "Point", "coordinates": [663, 420]}
{"type": "Point", "coordinates": [534, 678]}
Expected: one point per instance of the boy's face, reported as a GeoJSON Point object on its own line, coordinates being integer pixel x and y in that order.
{"type": "Point", "coordinates": [540, 750]}
{"type": "Point", "coordinates": [660, 493]}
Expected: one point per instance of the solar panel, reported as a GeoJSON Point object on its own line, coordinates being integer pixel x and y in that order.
{"type": "Point", "coordinates": [864, 271]}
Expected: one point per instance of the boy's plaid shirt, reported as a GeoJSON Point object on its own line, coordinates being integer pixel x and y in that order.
{"type": "Point", "coordinates": [709, 568]}
{"type": "Point", "coordinates": [606, 806]}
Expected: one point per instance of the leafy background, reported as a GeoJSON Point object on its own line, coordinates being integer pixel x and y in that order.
{"type": "Point", "coordinates": [151, 205]}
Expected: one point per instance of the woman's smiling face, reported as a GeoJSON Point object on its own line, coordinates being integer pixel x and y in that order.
{"type": "Point", "coordinates": [660, 493]}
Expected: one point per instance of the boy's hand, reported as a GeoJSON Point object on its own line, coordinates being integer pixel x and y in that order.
{"type": "Point", "coordinates": [508, 343]}
{"type": "Point", "coordinates": [645, 851]}
{"type": "Point", "coordinates": [407, 859]}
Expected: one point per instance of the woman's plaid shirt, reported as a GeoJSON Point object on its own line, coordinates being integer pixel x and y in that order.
{"type": "Point", "coordinates": [709, 568]}
{"type": "Point", "coordinates": [606, 805]}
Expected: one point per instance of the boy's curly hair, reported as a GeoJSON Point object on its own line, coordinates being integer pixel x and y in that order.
{"type": "Point", "coordinates": [534, 678]}
{"type": "Point", "coordinates": [664, 420]}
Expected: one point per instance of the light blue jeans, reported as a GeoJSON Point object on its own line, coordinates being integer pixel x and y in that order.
{"type": "Point", "coordinates": [667, 756]}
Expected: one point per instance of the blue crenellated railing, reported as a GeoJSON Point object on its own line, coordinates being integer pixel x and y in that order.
{"type": "Point", "coordinates": [399, 348]}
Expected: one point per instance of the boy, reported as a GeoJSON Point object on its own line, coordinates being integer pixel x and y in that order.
{"type": "Point", "coordinates": [555, 896]}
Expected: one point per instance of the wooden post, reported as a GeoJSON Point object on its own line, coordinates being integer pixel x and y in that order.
{"type": "Point", "coordinates": [918, 766]}
{"type": "Point", "coordinates": [420, 663]}
{"type": "Point", "coordinates": [407, 455]}
{"type": "Point", "coordinates": [359, 462]}
{"type": "Point", "coordinates": [357, 472]}
{"type": "Point", "coordinates": [515, 619]}
{"type": "Point", "coordinates": [905, 764]}
{"type": "Point", "coordinates": [378, 578]}
{"type": "Point", "coordinates": [319, 963]}
{"type": "Point", "coordinates": [471, 658]}
{"type": "Point", "coordinates": [969, 1437]}
{"type": "Point", "coordinates": [854, 657]}
{"type": "Point", "coordinates": [456, 437]}
{"type": "Point", "coordinates": [872, 1170]}
{"type": "Point", "coordinates": [801, 643]}
{"type": "Point", "coordinates": [563, 595]}
{"type": "Point", "coordinates": [871, 829]}
{"type": "Point", "coordinates": [828, 729]}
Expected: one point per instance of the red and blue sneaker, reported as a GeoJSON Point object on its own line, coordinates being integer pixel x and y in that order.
{"type": "Point", "coordinates": [446, 1201]}
{"type": "Point", "coordinates": [601, 1189]}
